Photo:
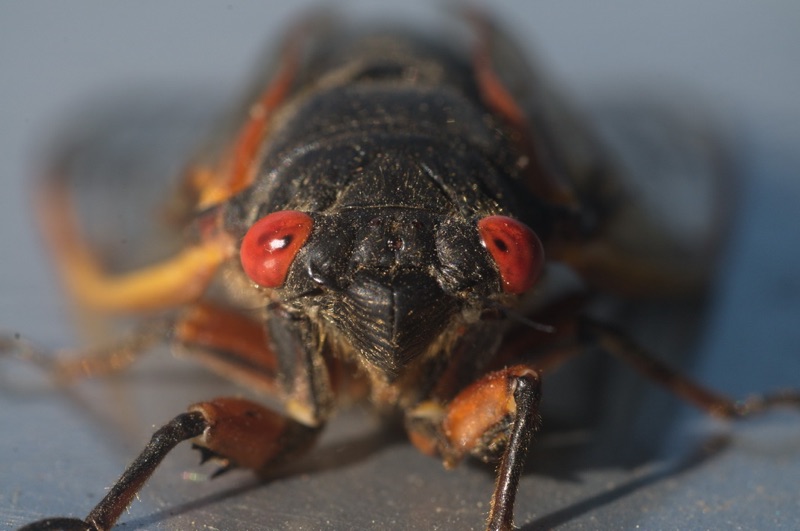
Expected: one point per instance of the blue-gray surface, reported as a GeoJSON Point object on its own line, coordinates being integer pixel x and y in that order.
{"type": "Point", "coordinates": [60, 448]}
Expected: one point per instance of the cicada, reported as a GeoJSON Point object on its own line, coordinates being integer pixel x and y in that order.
{"type": "Point", "coordinates": [384, 219]}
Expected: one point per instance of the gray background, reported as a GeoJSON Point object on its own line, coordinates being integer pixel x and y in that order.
{"type": "Point", "coordinates": [59, 449]}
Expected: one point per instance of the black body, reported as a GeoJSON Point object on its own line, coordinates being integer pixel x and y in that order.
{"type": "Point", "coordinates": [386, 143]}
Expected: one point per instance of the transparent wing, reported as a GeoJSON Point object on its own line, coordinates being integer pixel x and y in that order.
{"type": "Point", "coordinates": [122, 164]}
{"type": "Point", "coordinates": [652, 177]}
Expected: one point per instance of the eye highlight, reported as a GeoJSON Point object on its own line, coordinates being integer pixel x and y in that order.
{"type": "Point", "coordinates": [271, 244]}
{"type": "Point", "coordinates": [515, 249]}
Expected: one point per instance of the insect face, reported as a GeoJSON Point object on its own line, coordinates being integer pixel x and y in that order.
{"type": "Point", "coordinates": [390, 281]}
{"type": "Point", "coordinates": [395, 260]}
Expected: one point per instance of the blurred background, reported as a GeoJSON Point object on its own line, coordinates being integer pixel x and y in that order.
{"type": "Point", "coordinates": [735, 60]}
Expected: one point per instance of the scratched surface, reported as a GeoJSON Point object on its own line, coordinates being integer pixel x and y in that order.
{"type": "Point", "coordinates": [651, 462]}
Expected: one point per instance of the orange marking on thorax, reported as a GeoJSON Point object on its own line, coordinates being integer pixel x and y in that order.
{"type": "Point", "coordinates": [239, 168]}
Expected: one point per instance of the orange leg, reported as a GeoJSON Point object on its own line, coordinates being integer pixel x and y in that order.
{"type": "Point", "coordinates": [171, 283]}
{"type": "Point", "coordinates": [573, 334]}
{"type": "Point", "coordinates": [620, 346]}
{"type": "Point", "coordinates": [67, 365]}
{"type": "Point", "coordinates": [220, 338]}
{"type": "Point", "coordinates": [494, 417]}
{"type": "Point", "coordinates": [228, 343]}
{"type": "Point", "coordinates": [236, 431]}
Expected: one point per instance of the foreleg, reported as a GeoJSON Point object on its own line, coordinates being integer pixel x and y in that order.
{"type": "Point", "coordinates": [238, 432]}
{"type": "Point", "coordinates": [493, 418]}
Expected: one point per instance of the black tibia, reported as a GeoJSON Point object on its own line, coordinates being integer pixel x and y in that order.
{"type": "Point", "coordinates": [527, 392]}
{"type": "Point", "coordinates": [618, 344]}
{"type": "Point", "coordinates": [105, 514]}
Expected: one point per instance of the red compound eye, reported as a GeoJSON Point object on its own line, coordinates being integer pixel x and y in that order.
{"type": "Point", "coordinates": [270, 245]}
{"type": "Point", "coordinates": [515, 249]}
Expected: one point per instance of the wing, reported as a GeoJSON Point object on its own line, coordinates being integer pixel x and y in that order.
{"type": "Point", "coordinates": [121, 164]}
{"type": "Point", "coordinates": [648, 185]}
